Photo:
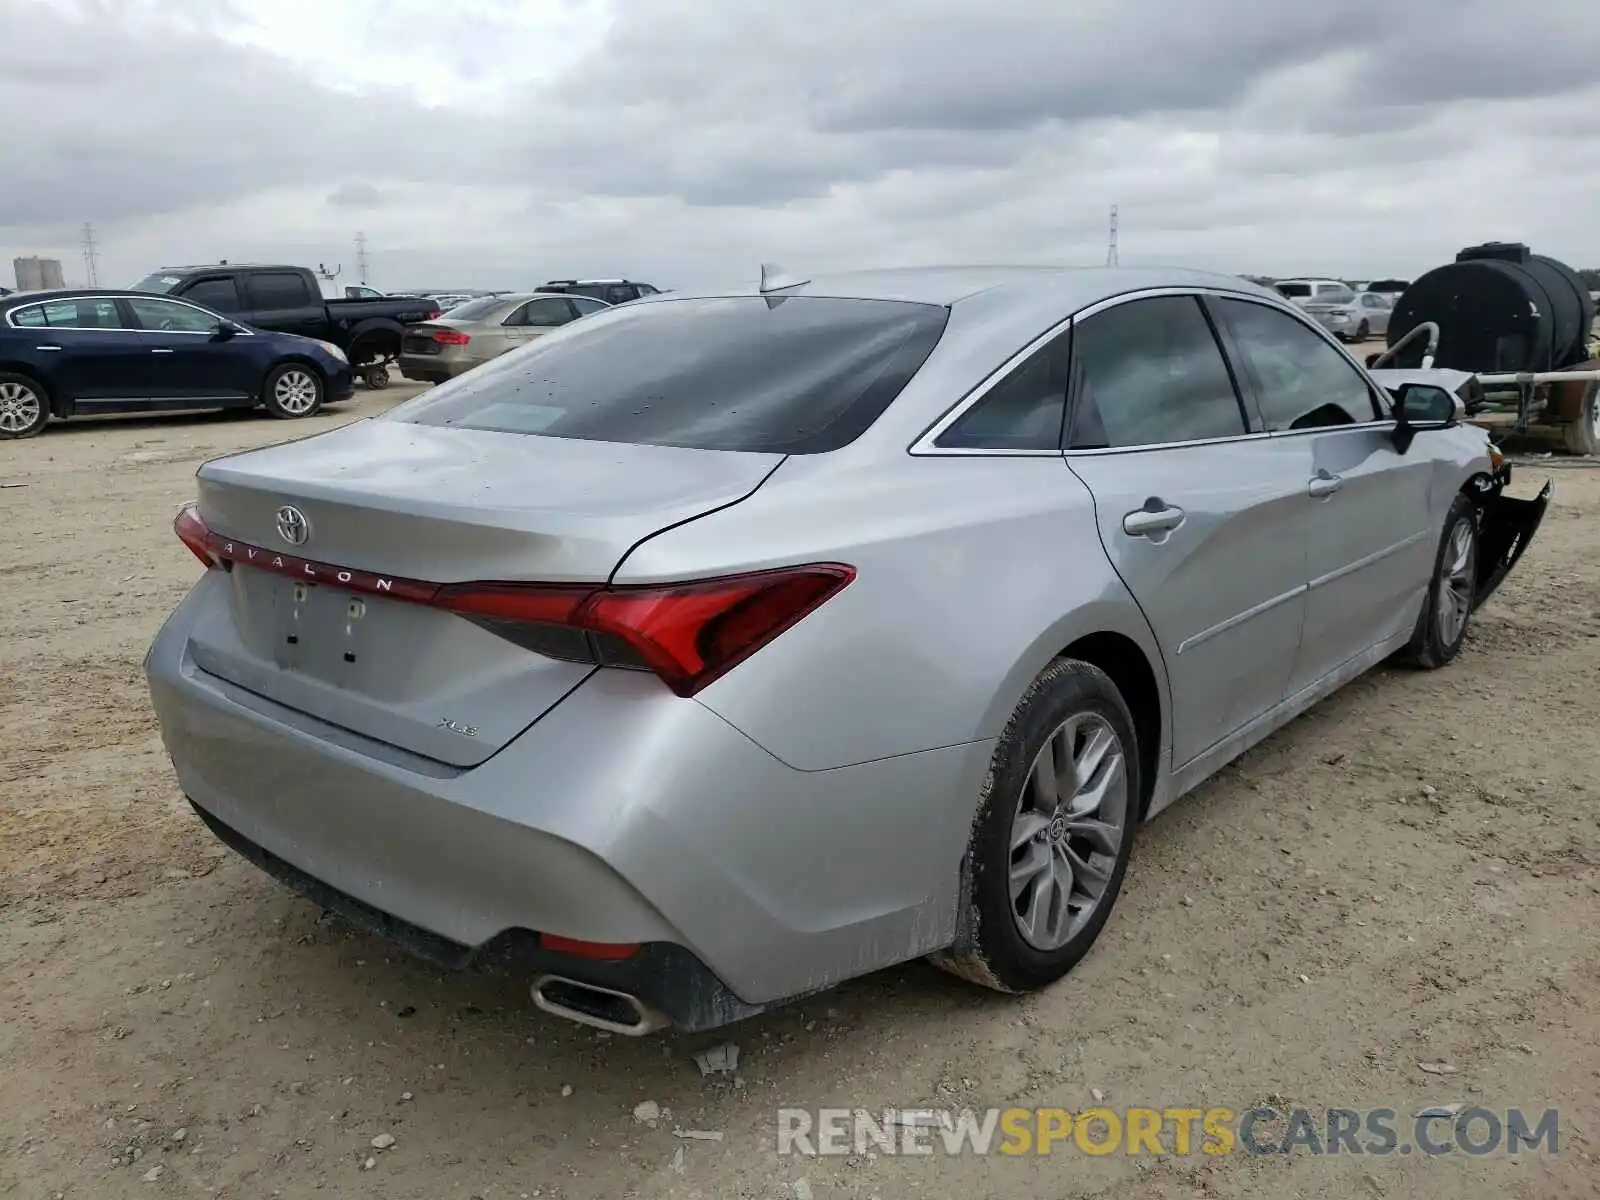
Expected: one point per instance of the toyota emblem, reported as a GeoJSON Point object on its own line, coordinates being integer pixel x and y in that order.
{"type": "Point", "coordinates": [293, 526]}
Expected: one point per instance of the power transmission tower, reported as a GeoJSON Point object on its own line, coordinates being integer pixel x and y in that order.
{"type": "Point", "coordinates": [91, 255]}
{"type": "Point", "coordinates": [1111, 245]}
{"type": "Point", "coordinates": [361, 258]}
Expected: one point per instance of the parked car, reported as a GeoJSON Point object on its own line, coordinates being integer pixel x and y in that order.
{"type": "Point", "coordinates": [479, 330]}
{"type": "Point", "coordinates": [720, 647]}
{"type": "Point", "coordinates": [612, 291]}
{"type": "Point", "coordinates": [1320, 291]}
{"type": "Point", "coordinates": [1391, 288]}
{"type": "Point", "coordinates": [86, 353]}
{"type": "Point", "coordinates": [1353, 320]}
{"type": "Point", "coordinates": [289, 300]}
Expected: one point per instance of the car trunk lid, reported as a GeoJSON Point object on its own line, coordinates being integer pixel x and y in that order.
{"type": "Point", "coordinates": [387, 504]}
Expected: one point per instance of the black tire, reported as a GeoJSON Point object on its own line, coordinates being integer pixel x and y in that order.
{"type": "Point", "coordinates": [1432, 645]}
{"type": "Point", "coordinates": [1363, 331]}
{"type": "Point", "coordinates": [1582, 436]}
{"type": "Point", "coordinates": [293, 390]}
{"type": "Point", "coordinates": [24, 406]}
{"type": "Point", "coordinates": [992, 949]}
{"type": "Point", "coordinates": [376, 378]}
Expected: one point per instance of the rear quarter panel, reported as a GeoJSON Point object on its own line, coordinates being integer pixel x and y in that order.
{"type": "Point", "coordinates": [973, 573]}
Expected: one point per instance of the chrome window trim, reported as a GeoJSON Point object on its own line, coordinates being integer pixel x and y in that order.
{"type": "Point", "coordinates": [924, 446]}
{"type": "Point", "coordinates": [241, 331]}
{"type": "Point", "coordinates": [40, 304]}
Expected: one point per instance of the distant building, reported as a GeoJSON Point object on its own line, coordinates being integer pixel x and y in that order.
{"type": "Point", "coordinates": [38, 274]}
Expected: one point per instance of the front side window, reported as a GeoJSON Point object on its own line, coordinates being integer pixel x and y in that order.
{"type": "Point", "coordinates": [166, 316]}
{"type": "Point", "coordinates": [1023, 411]}
{"type": "Point", "coordinates": [796, 375]}
{"type": "Point", "coordinates": [1150, 373]}
{"type": "Point", "coordinates": [1301, 380]}
{"type": "Point", "coordinates": [219, 295]}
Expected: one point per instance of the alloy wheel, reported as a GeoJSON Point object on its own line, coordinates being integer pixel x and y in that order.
{"type": "Point", "coordinates": [1457, 570]}
{"type": "Point", "coordinates": [1067, 828]}
{"type": "Point", "coordinates": [295, 392]}
{"type": "Point", "coordinates": [20, 407]}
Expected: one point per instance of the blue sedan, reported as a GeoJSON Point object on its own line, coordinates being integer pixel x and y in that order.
{"type": "Point", "coordinates": [80, 353]}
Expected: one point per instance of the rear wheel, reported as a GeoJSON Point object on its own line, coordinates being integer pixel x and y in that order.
{"type": "Point", "coordinates": [24, 410]}
{"type": "Point", "coordinates": [1053, 833]}
{"type": "Point", "coordinates": [1363, 331]}
{"type": "Point", "coordinates": [1442, 626]}
{"type": "Point", "coordinates": [292, 391]}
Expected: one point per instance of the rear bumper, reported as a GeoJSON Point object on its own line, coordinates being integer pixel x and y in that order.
{"type": "Point", "coordinates": [625, 815]}
{"type": "Point", "coordinates": [431, 368]}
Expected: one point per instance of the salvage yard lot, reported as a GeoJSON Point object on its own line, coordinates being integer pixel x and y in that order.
{"type": "Point", "coordinates": [1409, 874]}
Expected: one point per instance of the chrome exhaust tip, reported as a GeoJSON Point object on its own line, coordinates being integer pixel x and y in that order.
{"type": "Point", "coordinates": [599, 1007]}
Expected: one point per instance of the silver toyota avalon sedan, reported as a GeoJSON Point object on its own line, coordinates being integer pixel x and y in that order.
{"type": "Point", "coordinates": [717, 648]}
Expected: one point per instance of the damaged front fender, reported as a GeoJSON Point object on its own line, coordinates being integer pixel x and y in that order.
{"type": "Point", "coordinates": [1506, 527]}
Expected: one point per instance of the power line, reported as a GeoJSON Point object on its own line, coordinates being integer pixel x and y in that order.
{"type": "Point", "coordinates": [91, 255]}
{"type": "Point", "coordinates": [1111, 245]}
{"type": "Point", "coordinates": [361, 258]}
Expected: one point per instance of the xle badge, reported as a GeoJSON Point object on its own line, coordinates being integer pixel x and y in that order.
{"type": "Point", "coordinates": [457, 727]}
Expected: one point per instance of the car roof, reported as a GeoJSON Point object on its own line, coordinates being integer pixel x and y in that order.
{"type": "Point", "coordinates": [19, 299]}
{"type": "Point", "coordinates": [1061, 290]}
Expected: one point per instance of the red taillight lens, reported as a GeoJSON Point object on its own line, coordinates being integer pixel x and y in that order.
{"type": "Point", "coordinates": [603, 951]}
{"type": "Point", "coordinates": [451, 337]}
{"type": "Point", "coordinates": [434, 312]}
{"type": "Point", "coordinates": [191, 531]}
{"type": "Point", "coordinates": [687, 633]}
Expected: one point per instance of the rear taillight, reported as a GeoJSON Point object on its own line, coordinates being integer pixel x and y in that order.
{"type": "Point", "coordinates": [191, 531]}
{"type": "Point", "coordinates": [686, 633]}
{"type": "Point", "coordinates": [451, 337]}
{"type": "Point", "coordinates": [434, 313]}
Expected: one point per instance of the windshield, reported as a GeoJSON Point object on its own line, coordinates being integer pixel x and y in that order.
{"type": "Point", "coordinates": [156, 283]}
{"type": "Point", "coordinates": [473, 310]}
{"type": "Point", "coordinates": [797, 375]}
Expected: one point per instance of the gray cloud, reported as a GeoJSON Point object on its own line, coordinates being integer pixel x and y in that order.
{"type": "Point", "coordinates": [700, 136]}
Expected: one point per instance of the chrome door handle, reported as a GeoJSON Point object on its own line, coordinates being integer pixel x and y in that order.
{"type": "Point", "coordinates": [47, 347]}
{"type": "Point", "coordinates": [1154, 517]}
{"type": "Point", "coordinates": [1323, 485]}
{"type": "Point", "coordinates": [161, 350]}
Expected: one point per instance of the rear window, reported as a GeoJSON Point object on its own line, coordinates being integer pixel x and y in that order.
{"type": "Point", "coordinates": [789, 375]}
{"type": "Point", "coordinates": [1294, 289]}
{"type": "Point", "coordinates": [156, 283]}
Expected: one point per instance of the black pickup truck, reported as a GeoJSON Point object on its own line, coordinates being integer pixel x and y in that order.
{"type": "Point", "coordinates": [289, 300]}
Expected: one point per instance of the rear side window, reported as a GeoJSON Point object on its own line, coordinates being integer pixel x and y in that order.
{"type": "Point", "coordinates": [86, 313]}
{"type": "Point", "coordinates": [1302, 381]}
{"type": "Point", "coordinates": [790, 375]}
{"type": "Point", "coordinates": [1150, 373]}
{"type": "Point", "coordinates": [277, 289]}
{"type": "Point", "coordinates": [1023, 411]}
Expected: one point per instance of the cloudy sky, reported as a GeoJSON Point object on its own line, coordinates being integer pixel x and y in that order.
{"type": "Point", "coordinates": [494, 142]}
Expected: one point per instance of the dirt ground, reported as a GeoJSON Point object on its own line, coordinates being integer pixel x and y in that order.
{"type": "Point", "coordinates": [1410, 874]}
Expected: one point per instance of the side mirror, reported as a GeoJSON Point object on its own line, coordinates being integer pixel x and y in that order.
{"type": "Point", "coordinates": [1423, 406]}
{"type": "Point", "coordinates": [224, 331]}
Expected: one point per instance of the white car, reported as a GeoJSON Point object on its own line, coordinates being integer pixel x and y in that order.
{"type": "Point", "coordinates": [1314, 291]}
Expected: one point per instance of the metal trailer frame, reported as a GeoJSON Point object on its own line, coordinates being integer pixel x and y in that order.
{"type": "Point", "coordinates": [1566, 401]}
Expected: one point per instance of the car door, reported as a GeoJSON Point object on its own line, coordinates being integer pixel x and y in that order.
{"type": "Point", "coordinates": [1369, 546]}
{"type": "Point", "coordinates": [1203, 518]}
{"type": "Point", "coordinates": [1376, 313]}
{"type": "Point", "coordinates": [538, 317]}
{"type": "Point", "coordinates": [282, 300]}
{"type": "Point", "coordinates": [86, 350]}
{"type": "Point", "coordinates": [188, 362]}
